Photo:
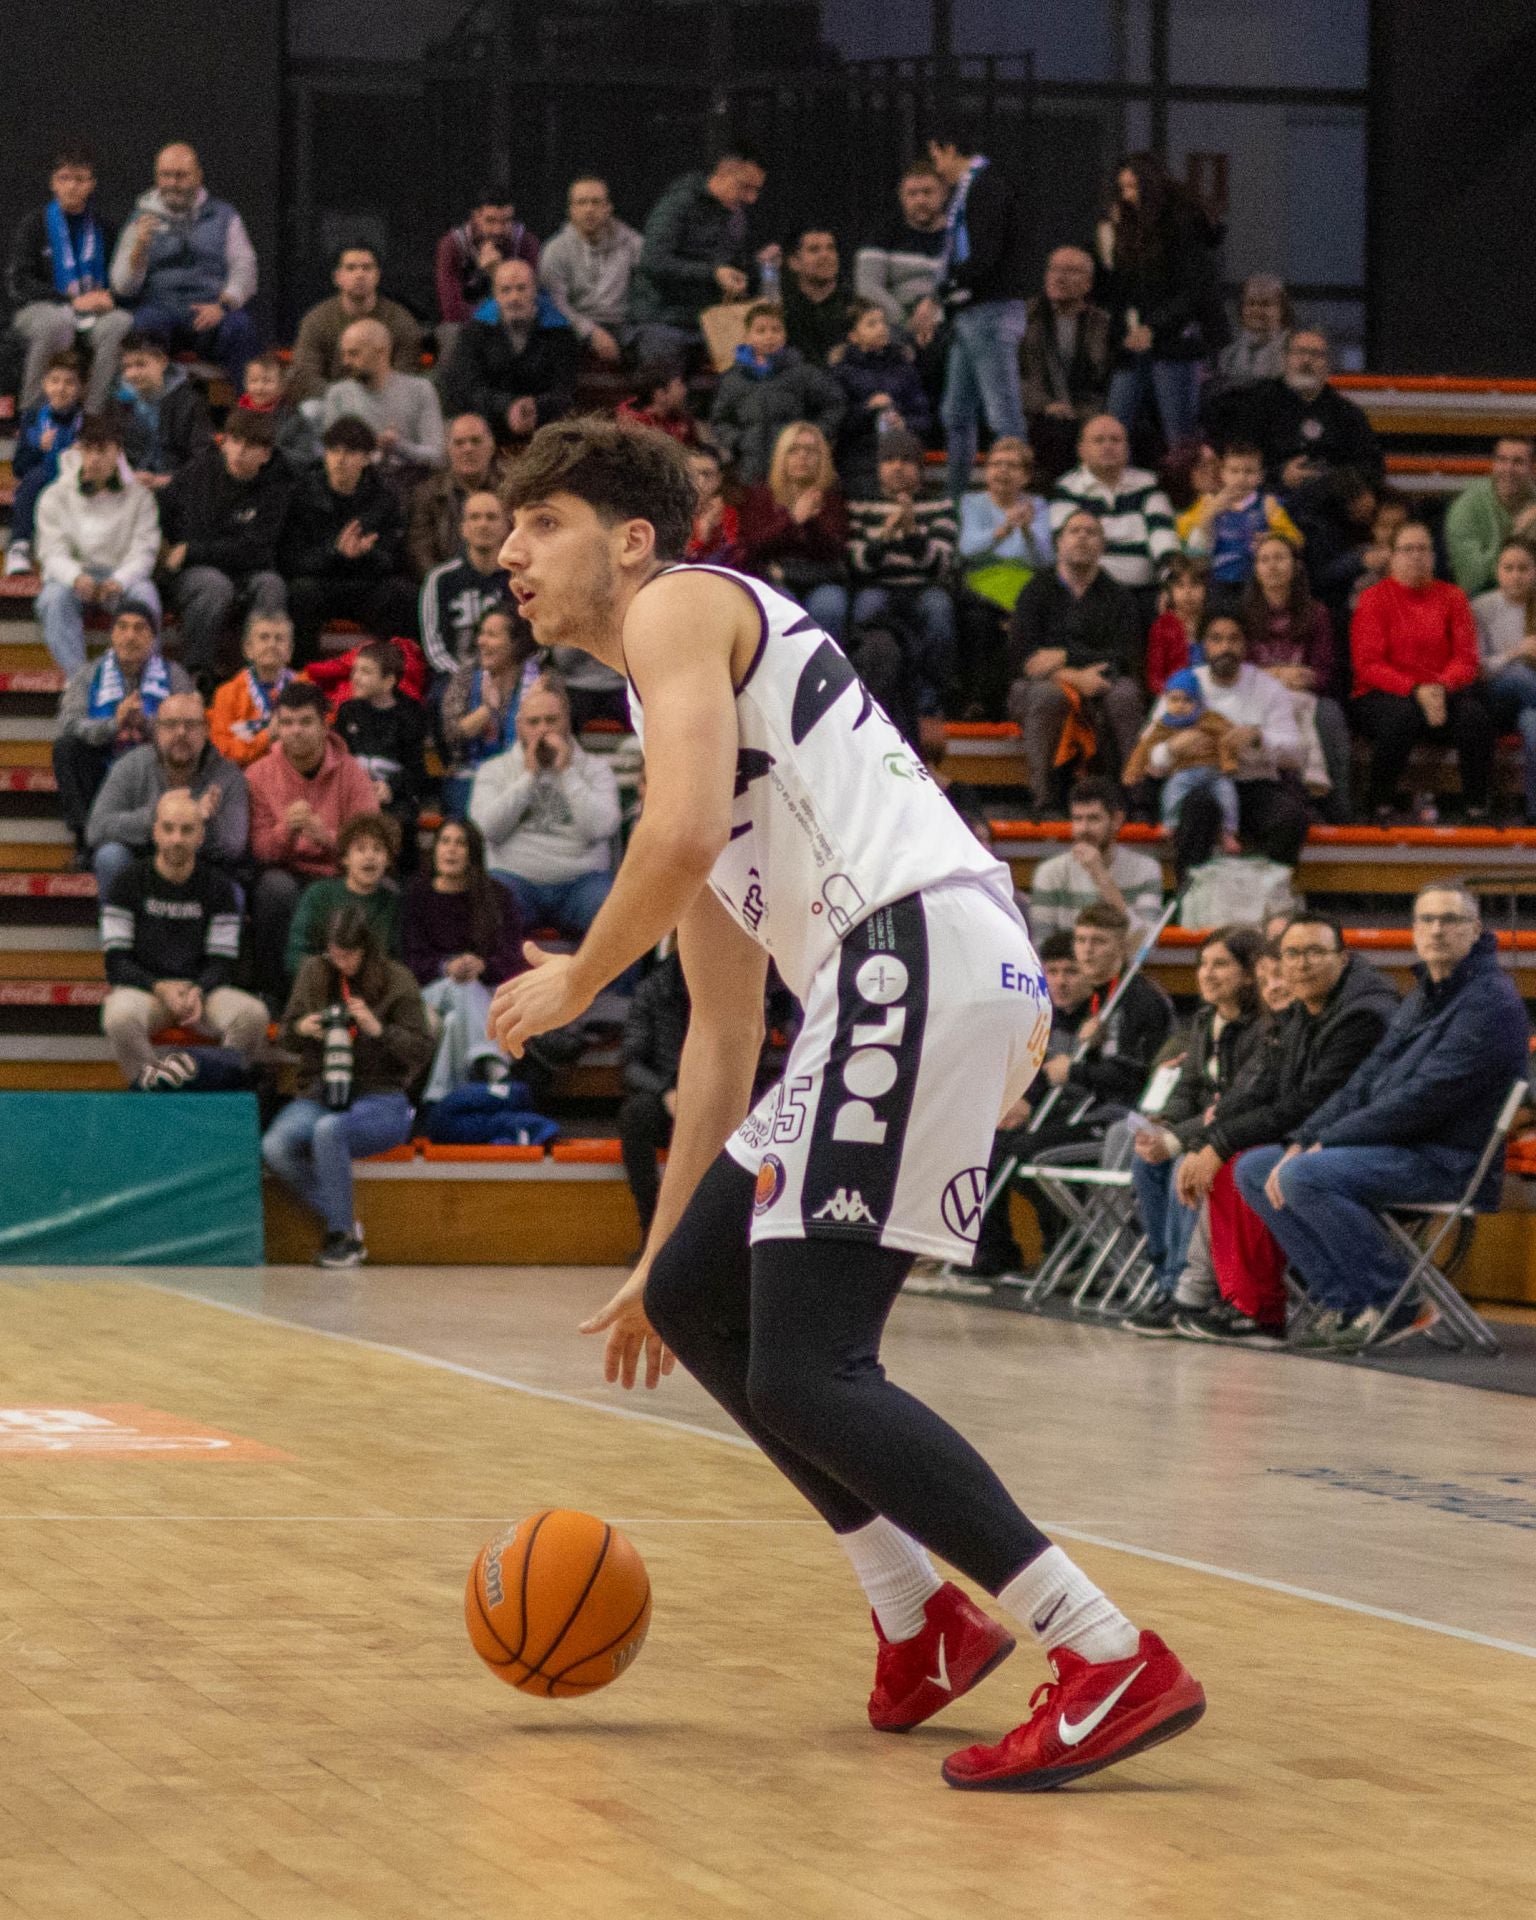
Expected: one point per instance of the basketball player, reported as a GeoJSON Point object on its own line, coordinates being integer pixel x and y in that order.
{"type": "Point", "coordinates": [785, 815]}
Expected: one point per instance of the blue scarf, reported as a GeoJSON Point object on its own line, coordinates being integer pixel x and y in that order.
{"type": "Point", "coordinates": [263, 699]}
{"type": "Point", "coordinates": [108, 686]}
{"type": "Point", "coordinates": [65, 427]}
{"type": "Point", "coordinates": [957, 235]}
{"type": "Point", "coordinates": [75, 271]}
{"type": "Point", "coordinates": [482, 747]}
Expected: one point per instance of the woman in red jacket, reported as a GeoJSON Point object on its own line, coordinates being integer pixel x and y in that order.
{"type": "Point", "coordinates": [1413, 644]}
{"type": "Point", "coordinates": [795, 526]}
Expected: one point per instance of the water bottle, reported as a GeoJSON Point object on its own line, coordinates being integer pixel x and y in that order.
{"type": "Point", "coordinates": [336, 1057]}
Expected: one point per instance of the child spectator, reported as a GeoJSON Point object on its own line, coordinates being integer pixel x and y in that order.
{"type": "Point", "coordinates": [1173, 640]}
{"type": "Point", "coordinates": [767, 387]}
{"type": "Point", "coordinates": [479, 714]}
{"type": "Point", "coordinates": [266, 392]}
{"type": "Point", "coordinates": [41, 437]}
{"type": "Point", "coordinates": [1201, 748]}
{"type": "Point", "coordinates": [716, 537]}
{"type": "Point", "coordinates": [334, 676]}
{"type": "Point", "coordinates": [386, 733]}
{"type": "Point", "coordinates": [1226, 525]}
{"type": "Point", "coordinates": [161, 414]}
{"type": "Point", "coordinates": [661, 401]}
{"type": "Point", "coordinates": [366, 848]}
{"type": "Point", "coordinates": [1376, 556]}
{"type": "Point", "coordinates": [240, 719]}
{"type": "Point", "coordinates": [882, 393]}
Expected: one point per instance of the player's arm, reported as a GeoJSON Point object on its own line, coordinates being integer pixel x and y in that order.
{"type": "Point", "coordinates": [678, 641]}
{"type": "Point", "coordinates": [726, 972]}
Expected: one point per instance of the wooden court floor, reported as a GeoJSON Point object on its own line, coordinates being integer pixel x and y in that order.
{"type": "Point", "coordinates": [234, 1679]}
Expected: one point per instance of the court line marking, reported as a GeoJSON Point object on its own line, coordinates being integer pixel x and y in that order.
{"type": "Point", "coordinates": [396, 1519]}
{"type": "Point", "coordinates": [741, 1441]}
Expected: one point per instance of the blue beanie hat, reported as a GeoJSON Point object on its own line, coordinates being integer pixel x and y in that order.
{"type": "Point", "coordinates": [1187, 683]}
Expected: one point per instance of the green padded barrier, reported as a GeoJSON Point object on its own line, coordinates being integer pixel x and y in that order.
{"type": "Point", "coordinates": [130, 1179]}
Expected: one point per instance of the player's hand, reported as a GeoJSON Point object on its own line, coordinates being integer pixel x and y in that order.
{"type": "Point", "coordinates": [629, 1334]}
{"type": "Point", "coordinates": [545, 997]}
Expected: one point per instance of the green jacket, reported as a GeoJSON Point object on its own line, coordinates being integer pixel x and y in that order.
{"type": "Point", "coordinates": [1476, 526]}
{"type": "Point", "coordinates": [320, 899]}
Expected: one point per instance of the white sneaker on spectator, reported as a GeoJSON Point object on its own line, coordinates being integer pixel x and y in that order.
{"type": "Point", "coordinates": [341, 1250]}
{"type": "Point", "coordinates": [18, 557]}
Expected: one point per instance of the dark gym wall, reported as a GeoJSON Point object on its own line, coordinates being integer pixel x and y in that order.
{"type": "Point", "coordinates": [126, 80]}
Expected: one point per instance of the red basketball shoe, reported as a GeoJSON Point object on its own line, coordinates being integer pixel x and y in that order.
{"type": "Point", "coordinates": [1090, 1716]}
{"type": "Point", "coordinates": [958, 1647]}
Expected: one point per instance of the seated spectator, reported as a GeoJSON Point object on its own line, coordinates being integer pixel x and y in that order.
{"type": "Point", "coordinates": [1337, 516]}
{"type": "Point", "coordinates": [163, 418]}
{"type": "Point", "coordinates": [1096, 866]}
{"type": "Point", "coordinates": [1173, 641]}
{"type": "Point", "coordinates": [1487, 514]}
{"type": "Point", "coordinates": [1290, 635]}
{"type": "Point", "coordinates": [549, 811]}
{"type": "Point", "coordinates": [56, 282]}
{"type": "Point", "coordinates": [1222, 1038]}
{"type": "Point", "coordinates": [366, 850]}
{"type": "Point", "coordinates": [187, 263]}
{"type": "Point", "coordinates": [767, 388]}
{"type": "Point", "coordinates": [1138, 521]}
{"type": "Point", "coordinates": [436, 529]}
{"type": "Point", "coordinates": [815, 296]}
{"type": "Point", "coordinates": [1073, 644]}
{"type": "Point", "coordinates": [1063, 360]}
{"type": "Point", "coordinates": [456, 594]}
{"type": "Point", "coordinates": [463, 937]}
{"type": "Point", "coordinates": [97, 540]}
{"type": "Point", "coordinates": [1408, 1126]}
{"type": "Point", "coordinates": [794, 528]}
{"type": "Point", "coordinates": [303, 790]}
{"type": "Point", "coordinates": [348, 1108]}
{"type": "Point", "coordinates": [716, 537]}
{"type": "Point", "coordinates": [654, 1031]}
{"type": "Point", "coordinates": [318, 359]}
{"type": "Point", "coordinates": [881, 392]}
{"type": "Point", "coordinates": [402, 408]}
{"type": "Point", "coordinates": [44, 434]}
{"type": "Point", "coordinates": [480, 702]}
{"type": "Point", "coordinates": [1005, 539]}
{"type": "Point", "coordinates": [266, 394]}
{"type": "Point", "coordinates": [221, 518]}
{"type": "Point", "coordinates": [661, 401]}
{"type": "Point", "coordinates": [1264, 320]}
{"type": "Point", "coordinates": [1303, 427]}
{"type": "Point", "coordinates": [1414, 647]}
{"type": "Point", "coordinates": [1506, 639]}
{"type": "Point", "coordinates": [108, 708]}
{"type": "Point", "coordinates": [1226, 526]}
{"type": "Point", "coordinates": [587, 267]}
{"type": "Point", "coordinates": [170, 933]}
{"type": "Point", "coordinates": [386, 733]}
{"type": "Point", "coordinates": [1201, 755]}
{"type": "Point", "coordinates": [342, 548]}
{"type": "Point", "coordinates": [240, 719]}
{"type": "Point", "coordinates": [1376, 559]}
{"type": "Point", "coordinates": [1272, 809]}
{"type": "Point", "coordinates": [515, 362]}
{"type": "Point", "coordinates": [177, 754]}
{"type": "Point", "coordinates": [694, 253]}
{"type": "Point", "coordinates": [900, 549]}
{"type": "Point", "coordinates": [467, 257]}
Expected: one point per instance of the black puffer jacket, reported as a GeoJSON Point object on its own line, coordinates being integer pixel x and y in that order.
{"type": "Point", "coordinates": [1211, 1065]}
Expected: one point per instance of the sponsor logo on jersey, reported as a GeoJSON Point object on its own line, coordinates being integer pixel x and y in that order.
{"type": "Point", "coordinates": [770, 1182]}
{"type": "Point", "coordinates": [903, 766]}
{"type": "Point", "coordinates": [753, 905]}
{"type": "Point", "coordinates": [871, 1069]}
{"type": "Point", "coordinates": [848, 1209]}
{"type": "Point", "coordinates": [963, 1201]}
{"type": "Point", "coordinates": [1022, 980]}
{"type": "Point", "coordinates": [843, 903]}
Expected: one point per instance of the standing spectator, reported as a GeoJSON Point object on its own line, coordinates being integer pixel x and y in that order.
{"type": "Point", "coordinates": [881, 391]}
{"type": "Point", "coordinates": [982, 282]}
{"type": "Point", "coordinates": [1095, 866]}
{"type": "Point", "coordinates": [402, 408]}
{"type": "Point", "coordinates": [463, 937]}
{"type": "Point", "coordinates": [165, 423]}
{"type": "Point", "coordinates": [587, 267]}
{"type": "Point", "coordinates": [815, 296]}
{"type": "Point", "coordinates": [97, 541]}
{"type": "Point", "coordinates": [1487, 513]}
{"type": "Point", "coordinates": [108, 708]}
{"type": "Point", "coordinates": [1138, 521]}
{"type": "Point", "coordinates": [342, 547]}
{"type": "Point", "coordinates": [1414, 647]}
{"type": "Point", "coordinates": [1290, 635]}
{"type": "Point", "coordinates": [1226, 526]}
{"type": "Point", "coordinates": [312, 1143]}
{"type": "Point", "coordinates": [386, 733]}
{"type": "Point", "coordinates": [457, 594]}
{"type": "Point", "coordinates": [1506, 638]}
{"type": "Point", "coordinates": [549, 811]}
{"type": "Point", "coordinates": [177, 754]}
{"type": "Point", "coordinates": [694, 253]}
{"type": "Point", "coordinates": [303, 790]}
{"type": "Point", "coordinates": [170, 934]}
{"type": "Point", "coordinates": [661, 401]}
{"type": "Point", "coordinates": [318, 360]}
{"type": "Point", "coordinates": [366, 849]}
{"type": "Point", "coordinates": [1304, 427]}
{"type": "Point", "coordinates": [221, 518]}
{"type": "Point", "coordinates": [518, 370]}
{"type": "Point", "coordinates": [1173, 642]}
{"type": "Point", "coordinates": [654, 1031]}
{"type": "Point", "coordinates": [1264, 320]}
{"type": "Point", "coordinates": [1074, 639]}
{"type": "Point", "coordinates": [1063, 360]}
{"type": "Point", "coordinates": [468, 256]}
{"type": "Point", "coordinates": [479, 711]}
{"type": "Point", "coordinates": [56, 281]}
{"type": "Point", "coordinates": [1005, 540]}
{"type": "Point", "coordinates": [437, 506]}
{"type": "Point", "coordinates": [1155, 249]}
{"type": "Point", "coordinates": [187, 262]}
{"type": "Point", "coordinates": [716, 537]}
{"type": "Point", "coordinates": [767, 386]}
{"type": "Point", "coordinates": [794, 528]}
{"type": "Point", "coordinates": [900, 550]}
{"type": "Point", "coordinates": [240, 719]}
{"type": "Point", "coordinates": [45, 433]}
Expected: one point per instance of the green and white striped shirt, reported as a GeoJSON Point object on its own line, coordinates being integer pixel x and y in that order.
{"type": "Point", "coordinates": [1062, 887]}
{"type": "Point", "coordinates": [1139, 534]}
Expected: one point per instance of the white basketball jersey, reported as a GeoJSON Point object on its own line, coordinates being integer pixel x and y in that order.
{"type": "Point", "coordinates": [835, 814]}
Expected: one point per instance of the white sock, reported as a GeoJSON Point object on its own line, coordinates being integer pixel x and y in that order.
{"type": "Point", "coordinates": [1062, 1607]}
{"type": "Point", "coordinates": [896, 1574]}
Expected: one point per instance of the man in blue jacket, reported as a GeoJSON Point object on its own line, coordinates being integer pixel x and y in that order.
{"type": "Point", "coordinates": [1408, 1125]}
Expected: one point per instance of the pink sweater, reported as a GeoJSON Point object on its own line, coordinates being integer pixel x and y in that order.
{"type": "Point", "coordinates": [336, 790]}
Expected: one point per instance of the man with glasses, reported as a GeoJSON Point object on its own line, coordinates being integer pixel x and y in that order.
{"type": "Point", "coordinates": [1305, 427]}
{"type": "Point", "coordinates": [178, 754]}
{"type": "Point", "coordinates": [1408, 1125]}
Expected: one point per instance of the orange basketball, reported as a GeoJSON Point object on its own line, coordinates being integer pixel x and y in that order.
{"type": "Point", "coordinates": [558, 1605]}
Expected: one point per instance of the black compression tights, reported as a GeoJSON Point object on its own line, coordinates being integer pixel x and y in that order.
{"type": "Point", "coordinates": [786, 1336]}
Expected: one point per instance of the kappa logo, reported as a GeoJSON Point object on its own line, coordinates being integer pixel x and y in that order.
{"type": "Point", "coordinates": [771, 1178]}
{"type": "Point", "coordinates": [847, 1209]}
{"type": "Point", "coordinates": [871, 1069]}
{"type": "Point", "coordinates": [964, 1202]}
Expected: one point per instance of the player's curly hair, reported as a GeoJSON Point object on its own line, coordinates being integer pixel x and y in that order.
{"type": "Point", "coordinates": [623, 471]}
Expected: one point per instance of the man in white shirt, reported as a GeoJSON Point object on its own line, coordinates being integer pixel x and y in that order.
{"type": "Point", "coordinates": [1095, 867]}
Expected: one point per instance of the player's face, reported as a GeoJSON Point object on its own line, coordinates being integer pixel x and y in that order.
{"type": "Point", "coordinates": [559, 558]}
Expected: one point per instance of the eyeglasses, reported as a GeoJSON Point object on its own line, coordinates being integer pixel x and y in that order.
{"type": "Point", "coordinates": [1300, 954]}
{"type": "Point", "coordinates": [1442, 919]}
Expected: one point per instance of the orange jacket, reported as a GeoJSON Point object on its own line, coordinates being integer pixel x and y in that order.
{"type": "Point", "coordinates": [236, 724]}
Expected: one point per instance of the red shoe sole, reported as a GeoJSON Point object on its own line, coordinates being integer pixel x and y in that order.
{"type": "Point", "coordinates": [991, 1666]}
{"type": "Point", "coordinates": [1043, 1779]}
